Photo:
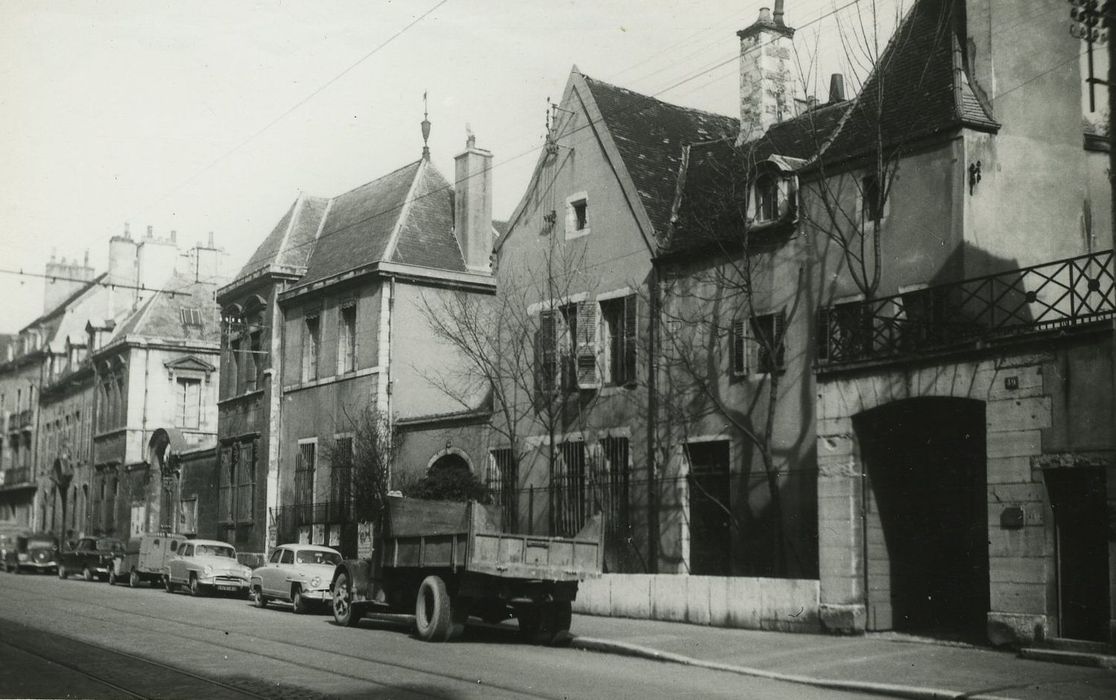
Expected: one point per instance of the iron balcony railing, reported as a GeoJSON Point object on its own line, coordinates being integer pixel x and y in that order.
{"type": "Point", "coordinates": [1052, 296]}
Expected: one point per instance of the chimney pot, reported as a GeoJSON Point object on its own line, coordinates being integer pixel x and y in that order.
{"type": "Point", "coordinates": [127, 230]}
{"type": "Point", "coordinates": [836, 88]}
{"type": "Point", "coordinates": [210, 239]}
{"type": "Point", "coordinates": [150, 230]}
{"type": "Point", "coordinates": [174, 236]}
{"type": "Point", "coordinates": [764, 14]}
{"type": "Point", "coordinates": [779, 12]}
{"type": "Point", "coordinates": [87, 257]}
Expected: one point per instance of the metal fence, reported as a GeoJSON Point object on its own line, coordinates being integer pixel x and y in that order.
{"type": "Point", "coordinates": [1056, 295]}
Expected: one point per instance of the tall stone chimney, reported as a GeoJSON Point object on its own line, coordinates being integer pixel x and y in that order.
{"type": "Point", "coordinates": [63, 279]}
{"type": "Point", "coordinates": [836, 88]}
{"type": "Point", "coordinates": [155, 260]}
{"type": "Point", "coordinates": [208, 262]}
{"type": "Point", "coordinates": [472, 205]}
{"type": "Point", "coordinates": [766, 74]}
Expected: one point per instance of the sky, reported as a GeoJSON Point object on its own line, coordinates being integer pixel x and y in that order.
{"type": "Point", "coordinates": [212, 116]}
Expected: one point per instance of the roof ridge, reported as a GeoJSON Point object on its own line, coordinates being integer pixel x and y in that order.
{"type": "Point", "coordinates": [695, 110]}
{"type": "Point", "coordinates": [381, 177]}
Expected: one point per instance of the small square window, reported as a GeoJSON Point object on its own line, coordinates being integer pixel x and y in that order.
{"type": "Point", "coordinates": [581, 214]}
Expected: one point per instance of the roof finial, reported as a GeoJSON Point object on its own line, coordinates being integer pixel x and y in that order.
{"type": "Point", "coordinates": [425, 130]}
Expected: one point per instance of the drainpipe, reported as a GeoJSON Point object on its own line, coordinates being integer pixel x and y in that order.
{"type": "Point", "coordinates": [652, 422]}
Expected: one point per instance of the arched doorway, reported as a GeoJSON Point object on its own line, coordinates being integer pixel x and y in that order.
{"type": "Point", "coordinates": [925, 516]}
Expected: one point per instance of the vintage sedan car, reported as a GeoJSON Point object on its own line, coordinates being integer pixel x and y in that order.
{"type": "Point", "coordinates": [91, 557]}
{"type": "Point", "coordinates": [296, 573]}
{"type": "Point", "coordinates": [32, 552]}
{"type": "Point", "coordinates": [203, 566]}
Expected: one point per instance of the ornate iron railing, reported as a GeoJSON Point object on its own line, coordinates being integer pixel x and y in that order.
{"type": "Point", "coordinates": [1056, 295]}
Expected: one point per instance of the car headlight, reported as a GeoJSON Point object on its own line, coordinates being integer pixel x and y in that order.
{"type": "Point", "coordinates": [316, 581]}
{"type": "Point", "coordinates": [207, 571]}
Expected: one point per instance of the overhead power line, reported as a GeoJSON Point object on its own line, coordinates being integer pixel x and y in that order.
{"type": "Point", "coordinates": [94, 281]}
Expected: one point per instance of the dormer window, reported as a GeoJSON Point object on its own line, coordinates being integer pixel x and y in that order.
{"type": "Point", "coordinates": [773, 193]}
{"type": "Point", "coordinates": [767, 197]}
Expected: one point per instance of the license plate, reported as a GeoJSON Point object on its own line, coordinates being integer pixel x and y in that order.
{"type": "Point", "coordinates": [228, 588]}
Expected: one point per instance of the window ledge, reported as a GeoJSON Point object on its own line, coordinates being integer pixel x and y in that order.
{"type": "Point", "coordinates": [577, 233]}
{"type": "Point", "coordinates": [241, 397]}
{"type": "Point", "coordinates": [331, 379]}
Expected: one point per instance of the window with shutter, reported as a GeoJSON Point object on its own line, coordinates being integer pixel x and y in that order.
{"type": "Point", "coordinates": [631, 321]}
{"type": "Point", "coordinates": [767, 333]}
{"type": "Point", "coordinates": [246, 486]}
{"type": "Point", "coordinates": [546, 354]}
{"type": "Point", "coordinates": [741, 344]}
{"type": "Point", "coordinates": [585, 345]}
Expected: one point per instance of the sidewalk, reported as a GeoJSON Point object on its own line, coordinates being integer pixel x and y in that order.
{"type": "Point", "coordinates": [890, 665]}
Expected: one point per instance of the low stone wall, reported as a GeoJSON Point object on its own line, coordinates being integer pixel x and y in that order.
{"type": "Point", "coordinates": [788, 605]}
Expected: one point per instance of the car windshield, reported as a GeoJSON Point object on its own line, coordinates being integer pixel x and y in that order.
{"type": "Point", "coordinates": [40, 543]}
{"type": "Point", "coordinates": [214, 550]}
{"type": "Point", "coordinates": [309, 556]}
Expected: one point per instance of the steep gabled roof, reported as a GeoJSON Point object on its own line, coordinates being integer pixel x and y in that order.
{"type": "Point", "coordinates": [292, 240]}
{"type": "Point", "coordinates": [919, 87]}
{"type": "Point", "coordinates": [426, 234]}
{"type": "Point", "coordinates": [650, 135]}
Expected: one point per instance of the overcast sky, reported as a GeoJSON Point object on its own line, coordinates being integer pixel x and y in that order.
{"type": "Point", "coordinates": [155, 112]}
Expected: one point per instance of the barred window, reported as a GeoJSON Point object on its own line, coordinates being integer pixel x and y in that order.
{"type": "Point", "coordinates": [570, 489]}
{"type": "Point", "coordinates": [304, 473]}
{"type": "Point", "coordinates": [246, 481]}
{"type": "Point", "coordinates": [503, 483]}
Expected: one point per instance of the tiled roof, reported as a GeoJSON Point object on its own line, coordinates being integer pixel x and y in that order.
{"type": "Point", "coordinates": [426, 237]}
{"type": "Point", "coordinates": [161, 316]}
{"type": "Point", "coordinates": [650, 135]}
{"type": "Point", "coordinates": [917, 89]}
{"type": "Point", "coordinates": [359, 225]}
{"type": "Point", "coordinates": [291, 241]}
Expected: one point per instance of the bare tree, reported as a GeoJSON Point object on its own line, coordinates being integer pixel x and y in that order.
{"type": "Point", "coordinates": [367, 458]}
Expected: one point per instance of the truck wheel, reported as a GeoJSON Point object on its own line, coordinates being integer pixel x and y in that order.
{"type": "Point", "coordinates": [301, 607]}
{"type": "Point", "coordinates": [557, 619]}
{"type": "Point", "coordinates": [344, 613]}
{"type": "Point", "coordinates": [257, 596]}
{"type": "Point", "coordinates": [434, 611]}
{"type": "Point", "coordinates": [61, 572]}
{"type": "Point", "coordinates": [87, 574]}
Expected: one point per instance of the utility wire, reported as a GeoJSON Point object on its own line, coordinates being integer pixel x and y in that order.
{"type": "Point", "coordinates": [101, 283]}
{"type": "Point", "coordinates": [298, 104]}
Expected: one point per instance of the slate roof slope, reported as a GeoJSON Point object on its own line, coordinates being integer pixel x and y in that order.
{"type": "Point", "coordinates": [161, 317]}
{"type": "Point", "coordinates": [291, 241]}
{"type": "Point", "coordinates": [52, 319]}
{"type": "Point", "coordinates": [918, 88]}
{"type": "Point", "coordinates": [359, 225]}
{"type": "Point", "coordinates": [426, 237]}
{"type": "Point", "coordinates": [650, 135]}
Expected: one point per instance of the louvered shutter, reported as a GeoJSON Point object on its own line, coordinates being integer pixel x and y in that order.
{"type": "Point", "coordinates": [630, 354]}
{"type": "Point", "coordinates": [546, 353]}
{"type": "Point", "coordinates": [588, 373]}
{"type": "Point", "coordinates": [741, 348]}
{"type": "Point", "coordinates": [822, 331]}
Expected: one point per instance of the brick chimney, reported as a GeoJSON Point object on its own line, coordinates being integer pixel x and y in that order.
{"type": "Point", "coordinates": [63, 279]}
{"type": "Point", "coordinates": [209, 263]}
{"type": "Point", "coordinates": [155, 260]}
{"type": "Point", "coordinates": [766, 74]}
{"type": "Point", "coordinates": [472, 205]}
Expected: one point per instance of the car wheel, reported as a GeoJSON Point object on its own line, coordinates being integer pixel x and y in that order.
{"type": "Point", "coordinates": [62, 572]}
{"type": "Point", "coordinates": [195, 587]}
{"type": "Point", "coordinates": [167, 584]}
{"type": "Point", "coordinates": [301, 607]}
{"type": "Point", "coordinates": [133, 579]}
{"type": "Point", "coordinates": [344, 612]}
{"type": "Point", "coordinates": [257, 597]}
{"type": "Point", "coordinates": [434, 611]}
{"type": "Point", "coordinates": [87, 574]}
{"type": "Point", "coordinates": [112, 576]}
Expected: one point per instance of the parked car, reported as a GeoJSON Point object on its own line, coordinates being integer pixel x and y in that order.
{"type": "Point", "coordinates": [206, 565]}
{"type": "Point", "coordinates": [90, 556]}
{"type": "Point", "coordinates": [145, 558]}
{"type": "Point", "coordinates": [298, 574]}
{"type": "Point", "coordinates": [33, 552]}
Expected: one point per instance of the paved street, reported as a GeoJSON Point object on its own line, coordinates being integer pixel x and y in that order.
{"type": "Point", "coordinates": [77, 639]}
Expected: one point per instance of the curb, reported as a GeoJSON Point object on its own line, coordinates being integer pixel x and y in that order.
{"type": "Point", "coordinates": [888, 689]}
{"type": "Point", "coordinates": [1074, 658]}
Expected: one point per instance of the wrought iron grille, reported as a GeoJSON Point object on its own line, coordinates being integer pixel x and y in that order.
{"type": "Point", "coordinates": [1056, 295]}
